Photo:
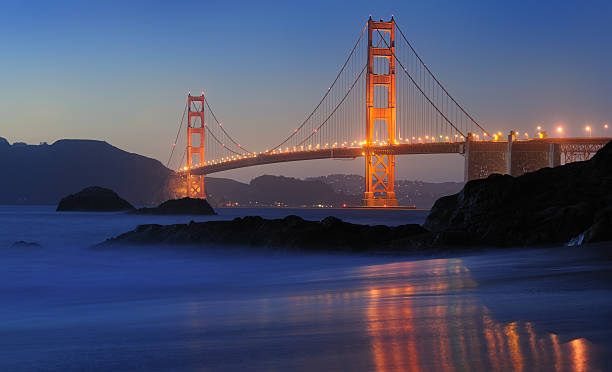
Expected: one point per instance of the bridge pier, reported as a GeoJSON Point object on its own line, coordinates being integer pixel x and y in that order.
{"type": "Point", "coordinates": [195, 183]}
{"type": "Point", "coordinates": [380, 168]}
{"type": "Point", "coordinates": [512, 157]}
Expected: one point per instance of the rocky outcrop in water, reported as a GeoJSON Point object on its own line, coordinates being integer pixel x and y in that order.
{"type": "Point", "coordinates": [291, 232]}
{"type": "Point", "coordinates": [94, 199]}
{"type": "Point", "coordinates": [186, 206]}
{"type": "Point", "coordinates": [549, 206]}
{"type": "Point", "coordinates": [24, 244]}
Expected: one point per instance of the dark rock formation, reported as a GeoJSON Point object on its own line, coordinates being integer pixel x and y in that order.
{"type": "Point", "coordinates": [187, 206]}
{"type": "Point", "coordinates": [600, 231]}
{"type": "Point", "coordinates": [94, 199]}
{"type": "Point", "coordinates": [549, 206]}
{"type": "Point", "coordinates": [291, 232]}
{"type": "Point", "coordinates": [24, 244]}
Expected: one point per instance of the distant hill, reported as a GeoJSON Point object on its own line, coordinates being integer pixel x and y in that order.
{"type": "Point", "coordinates": [43, 174]}
{"type": "Point", "coordinates": [275, 190]}
{"type": "Point", "coordinates": [418, 193]}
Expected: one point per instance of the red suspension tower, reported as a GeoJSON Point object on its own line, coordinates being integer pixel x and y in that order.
{"type": "Point", "coordinates": [380, 168]}
{"type": "Point", "coordinates": [195, 126]}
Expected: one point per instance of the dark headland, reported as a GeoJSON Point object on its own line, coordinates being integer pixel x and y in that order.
{"type": "Point", "coordinates": [569, 203]}
{"type": "Point", "coordinates": [94, 199]}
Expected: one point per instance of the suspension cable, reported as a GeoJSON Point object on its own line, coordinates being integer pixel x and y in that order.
{"type": "Point", "coordinates": [219, 142]}
{"type": "Point", "coordinates": [419, 88]}
{"type": "Point", "coordinates": [326, 93]}
{"type": "Point", "coordinates": [436, 80]}
{"type": "Point", "coordinates": [335, 109]}
{"type": "Point", "coordinates": [177, 136]}
{"type": "Point", "coordinates": [221, 126]}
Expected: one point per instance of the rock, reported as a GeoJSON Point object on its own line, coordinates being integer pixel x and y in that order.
{"type": "Point", "coordinates": [187, 206]}
{"type": "Point", "coordinates": [291, 232]}
{"type": "Point", "coordinates": [599, 231]}
{"type": "Point", "coordinates": [24, 244]}
{"type": "Point", "coordinates": [94, 199]}
{"type": "Point", "coordinates": [549, 206]}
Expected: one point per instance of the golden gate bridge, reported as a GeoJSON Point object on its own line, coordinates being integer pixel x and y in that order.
{"type": "Point", "coordinates": [384, 101]}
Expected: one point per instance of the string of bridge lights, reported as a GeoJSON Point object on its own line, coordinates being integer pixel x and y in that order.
{"type": "Point", "coordinates": [539, 134]}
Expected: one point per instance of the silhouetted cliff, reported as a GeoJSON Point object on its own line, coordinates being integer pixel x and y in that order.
{"type": "Point", "coordinates": [43, 174]}
{"type": "Point", "coordinates": [548, 206]}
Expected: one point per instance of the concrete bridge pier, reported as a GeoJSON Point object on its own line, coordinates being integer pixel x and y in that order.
{"type": "Point", "coordinates": [512, 157]}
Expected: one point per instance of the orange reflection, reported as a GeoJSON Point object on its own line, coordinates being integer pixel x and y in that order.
{"type": "Point", "coordinates": [430, 322]}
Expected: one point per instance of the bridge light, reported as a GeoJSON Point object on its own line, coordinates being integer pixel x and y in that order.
{"type": "Point", "coordinates": [560, 130]}
{"type": "Point", "coordinates": [606, 126]}
{"type": "Point", "coordinates": [539, 127]}
{"type": "Point", "coordinates": [588, 129]}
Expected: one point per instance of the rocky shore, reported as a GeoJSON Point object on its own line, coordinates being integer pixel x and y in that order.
{"type": "Point", "coordinates": [570, 204]}
{"type": "Point", "coordinates": [291, 232]}
{"type": "Point", "coordinates": [186, 206]}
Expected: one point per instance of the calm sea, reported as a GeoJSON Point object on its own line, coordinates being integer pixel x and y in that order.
{"type": "Point", "coordinates": [66, 307]}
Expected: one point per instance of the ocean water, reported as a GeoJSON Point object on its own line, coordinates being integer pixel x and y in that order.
{"type": "Point", "coordinates": [67, 307]}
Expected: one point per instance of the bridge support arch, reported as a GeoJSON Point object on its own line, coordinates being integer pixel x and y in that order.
{"type": "Point", "coordinates": [380, 168]}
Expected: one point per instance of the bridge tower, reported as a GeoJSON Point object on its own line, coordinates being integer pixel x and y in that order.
{"type": "Point", "coordinates": [380, 168]}
{"type": "Point", "coordinates": [195, 126]}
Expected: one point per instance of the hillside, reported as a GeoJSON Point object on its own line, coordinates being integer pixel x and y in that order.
{"type": "Point", "coordinates": [270, 190]}
{"type": "Point", "coordinates": [418, 193]}
{"type": "Point", "coordinates": [43, 174]}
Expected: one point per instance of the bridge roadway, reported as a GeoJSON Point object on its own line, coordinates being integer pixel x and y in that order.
{"type": "Point", "coordinates": [399, 149]}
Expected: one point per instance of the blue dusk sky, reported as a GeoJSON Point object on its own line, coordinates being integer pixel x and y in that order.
{"type": "Point", "coordinates": [119, 71]}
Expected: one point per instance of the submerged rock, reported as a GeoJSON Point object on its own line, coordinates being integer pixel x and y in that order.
{"type": "Point", "coordinates": [549, 206]}
{"type": "Point", "coordinates": [188, 206]}
{"type": "Point", "coordinates": [291, 232]}
{"type": "Point", "coordinates": [94, 199]}
{"type": "Point", "coordinates": [24, 244]}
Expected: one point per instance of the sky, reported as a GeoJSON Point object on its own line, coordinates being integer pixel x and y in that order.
{"type": "Point", "coordinates": [119, 71]}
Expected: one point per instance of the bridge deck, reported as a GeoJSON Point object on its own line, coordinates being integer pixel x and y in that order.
{"type": "Point", "coordinates": [354, 152]}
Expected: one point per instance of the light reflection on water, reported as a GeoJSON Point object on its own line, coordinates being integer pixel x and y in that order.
{"type": "Point", "coordinates": [450, 332]}
{"type": "Point", "coordinates": [420, 316]}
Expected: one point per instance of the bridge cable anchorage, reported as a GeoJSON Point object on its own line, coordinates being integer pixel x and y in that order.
{"type": "Point", "coordinates": [223, 129]}
{"type": "Point", "coordinates": [335, 109]}
{"type": "Point", "coordinates": [177, 136]}
{"type": "Point", "coordinates": [419, 88]}
{"type": "Point", "coordinates": [436, 80]}
{"type": "Point", "coordinates": [279, 146]}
